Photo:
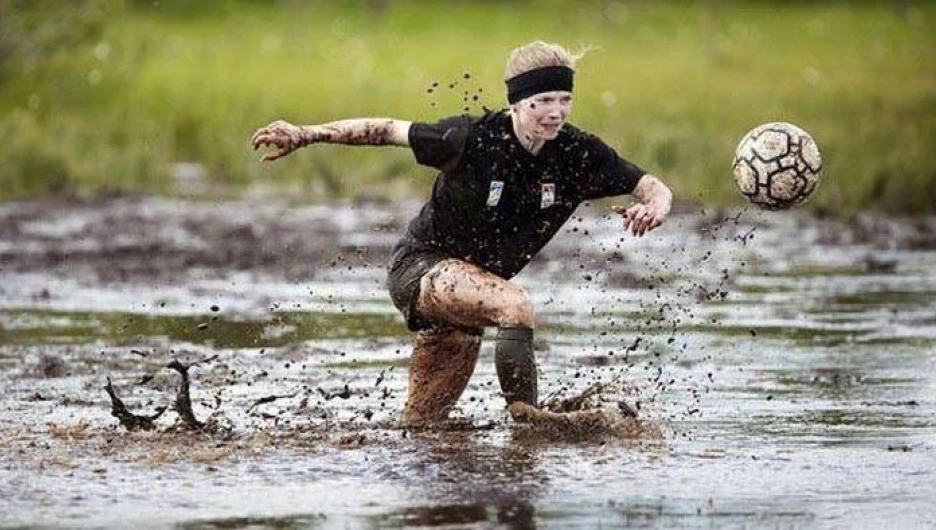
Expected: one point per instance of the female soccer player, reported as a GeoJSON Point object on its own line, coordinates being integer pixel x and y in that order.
{"type": "Point", "coordinates": [509, 180]}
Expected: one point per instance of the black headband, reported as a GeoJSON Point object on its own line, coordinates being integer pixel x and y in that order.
{"type": "Point", "coordinates": [540, 80]}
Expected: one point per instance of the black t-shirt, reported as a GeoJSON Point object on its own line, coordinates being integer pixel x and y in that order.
{"type": "Point", "coordinates": [495, 204]}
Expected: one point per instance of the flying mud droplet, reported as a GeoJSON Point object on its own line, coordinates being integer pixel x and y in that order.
{"type": "Point", "coordinates": [269, 399]}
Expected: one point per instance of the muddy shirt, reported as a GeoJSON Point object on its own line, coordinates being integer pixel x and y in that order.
{"type": "Point", "coordinates": [495, 204]}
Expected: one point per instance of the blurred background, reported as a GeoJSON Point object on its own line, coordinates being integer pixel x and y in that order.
{"type": "Point", "coordinates": [161, 96]}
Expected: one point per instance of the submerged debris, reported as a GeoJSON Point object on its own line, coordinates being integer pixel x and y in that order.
{"type": "Point", "coordinates": [51, 366]}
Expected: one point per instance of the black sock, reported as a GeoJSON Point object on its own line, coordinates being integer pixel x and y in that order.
{"type": "Point", "coordinates": [516, 367]}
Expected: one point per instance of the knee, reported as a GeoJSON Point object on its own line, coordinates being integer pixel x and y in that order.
{"type": "Point", "coordinates": [448, 342]}
{"type": "Point", "coordinates": [518, 310]}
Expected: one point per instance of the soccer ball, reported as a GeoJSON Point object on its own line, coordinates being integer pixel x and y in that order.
{"type": "Point", "coordinates": [777, 165]}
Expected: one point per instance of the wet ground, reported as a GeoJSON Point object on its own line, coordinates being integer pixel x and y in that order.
{"type": "Point", "coordinates": [783, 368]}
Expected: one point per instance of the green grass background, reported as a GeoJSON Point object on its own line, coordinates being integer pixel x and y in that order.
{"type": "Point", "coordinates": [110, 94]}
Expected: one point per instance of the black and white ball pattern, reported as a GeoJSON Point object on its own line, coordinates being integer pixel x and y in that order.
{"type": "Point", "coordinates": [777, 165]}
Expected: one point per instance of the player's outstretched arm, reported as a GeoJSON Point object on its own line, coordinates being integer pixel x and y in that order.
{"type": "Point", "coordinates": [654, 201]}
{"type": "Point", "coordinates": [285, 137]}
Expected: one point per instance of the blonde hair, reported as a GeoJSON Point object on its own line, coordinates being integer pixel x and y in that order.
{"type": "Point", "coordinates": [539, 54]}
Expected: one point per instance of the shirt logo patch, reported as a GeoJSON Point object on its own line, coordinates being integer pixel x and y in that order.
{"type": "Point", "coordinates": [494, 195]}
{"type": "Point", "coordinates": [548, 198]}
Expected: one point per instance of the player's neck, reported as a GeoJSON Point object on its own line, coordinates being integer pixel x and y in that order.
{"type": "Point", "coordinates": [529, 141]}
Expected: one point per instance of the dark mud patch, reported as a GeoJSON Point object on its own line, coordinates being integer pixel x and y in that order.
{"type": "Point", "coordinates": [146, 239]}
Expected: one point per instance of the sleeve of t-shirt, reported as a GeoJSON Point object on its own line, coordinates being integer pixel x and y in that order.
{"type": "Point", "coordinates": [439, 145]}
{"type": "Point", "coordinates": [610, 174]}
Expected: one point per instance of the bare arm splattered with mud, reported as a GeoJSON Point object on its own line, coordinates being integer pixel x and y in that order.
{"type": "Point", "coordinates": [654, 200]}
{"type": "Point", "coordinates": [286, 137]}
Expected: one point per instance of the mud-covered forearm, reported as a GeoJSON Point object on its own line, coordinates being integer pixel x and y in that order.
{"type": "Point", "coordinates": [360, 131]}
{"type": "Point", "coordinates": [284, 137]}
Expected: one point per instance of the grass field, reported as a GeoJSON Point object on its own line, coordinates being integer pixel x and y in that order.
{"type": "Point", "coordinates": [117, 94]}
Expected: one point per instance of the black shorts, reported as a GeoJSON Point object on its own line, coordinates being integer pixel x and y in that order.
{"type": "Point", "coordinates": [410, 260]}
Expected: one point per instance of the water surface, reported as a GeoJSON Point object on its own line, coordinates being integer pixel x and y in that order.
{"type": "Point", "coordinates": [788, 360]}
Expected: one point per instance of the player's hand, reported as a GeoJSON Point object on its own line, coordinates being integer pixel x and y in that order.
{"type": "Point", "coordinates": [281, 135]}
{"type": "Point", "coordinates": [640, 218]}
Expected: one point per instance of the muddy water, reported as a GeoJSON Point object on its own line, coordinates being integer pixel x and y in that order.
{"type": "Point", "coordinates": [787, 365]}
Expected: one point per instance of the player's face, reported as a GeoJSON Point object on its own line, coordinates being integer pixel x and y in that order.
{"type": "Point", "coordinates": [542, 115]}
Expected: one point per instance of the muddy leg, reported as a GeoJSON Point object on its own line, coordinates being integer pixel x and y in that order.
{"type": "Point", "coordinates": [442, 364]}
{"type": "Point", "coordinates": [516, 367]}
{"type": "Point", "coordinates": [459, 292]}
{"type": "Point", "coordinates": [466, 295]}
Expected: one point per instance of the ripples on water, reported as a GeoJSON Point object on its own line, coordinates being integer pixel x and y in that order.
{"type": "Point", "coordinates": [790, 360]}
